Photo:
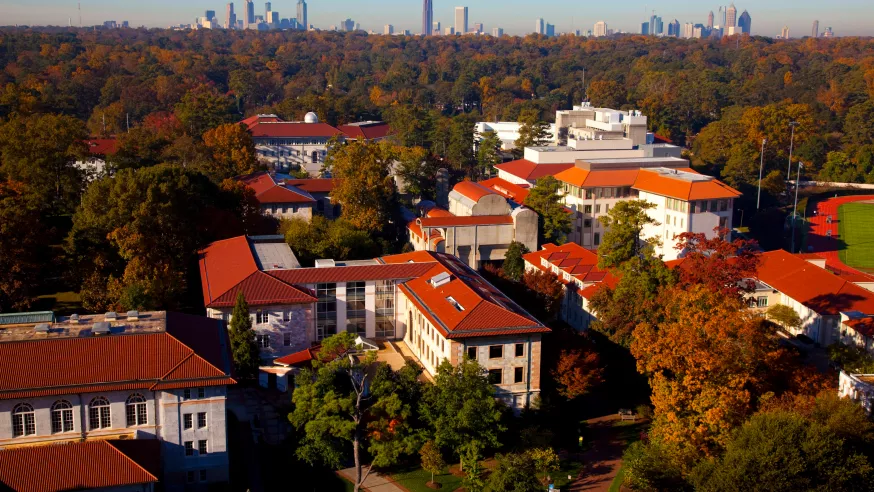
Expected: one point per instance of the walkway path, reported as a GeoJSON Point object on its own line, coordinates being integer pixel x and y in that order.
{"type": "Point", "coordinates": [819, 241]}
{"type": "Point", "coordinates": [602, 461]}
{"type": "Point", "coordinates": [374, 482]}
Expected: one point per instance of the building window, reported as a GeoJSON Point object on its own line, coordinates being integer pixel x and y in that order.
{"type": "Point", "coordinates": [263, 341]}
{"type": "Point", "coordinates": [326, 310]}
{"type": "Point", "coordinates": [189, 448]}
{"type": "Point", "coordinates": [597, 238]}
{"type": "Point", "coordinates": [496, 376]}
{"type": "Point", "coordinates": [587, 209]}
{"type": "Point", "coordinates": [471, 353]}
{"type": "Point", "coordinates": [99, 414]}
{"type": "Point", "coordinates": [189, 476]}
{"type": "Point", "coordinates": [187, 421]}
{"type": "Point", "coordinates": [496, 351]}
{"type": "Point", "coordinates": [203, 475]}
{"type": "Point", "coordinates": [385, 309]}
{"type": "Point", "coordinates": [356, 312]}
{"type": "Point", "coordinates": [135, 410]}
{"type": "Point", "coordinates": [201, 392]}
{"type": "Point", "coordinates": [201, 420]}
{"type": "Point", "coordinates": [62, 417]}
{"type": "Point", "coordinates": [286, 339]}
{"type": "Point", "coordinates": [201, 446]}
{"type": "Point", "coordinates": [262, 317]}
{"type": "Point", "coordinates": [762, 302]}
{"type": "Point", "coordinates": [587, 223]}
{"type": "Point", "coordinates": [186, 394]}
{"type": "Point", "coordinates": [23, 422]}
{"type": "Point", "coordinates": [520, 350]}
{"type": "Point", "coordinates": [597, 209]}
{"type": "Point", "coordinates": [518, 375]}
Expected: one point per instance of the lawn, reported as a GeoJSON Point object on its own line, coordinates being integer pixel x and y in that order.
{"type": "Point", "coordinates": [415, 481]}
{"type": "Point", "coordinates": [856, 222]}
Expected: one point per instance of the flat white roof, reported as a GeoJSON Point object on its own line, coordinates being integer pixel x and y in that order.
{"type": "Point", "coordinates": [274, 256]}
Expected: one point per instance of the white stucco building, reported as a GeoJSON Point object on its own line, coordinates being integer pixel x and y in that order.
{"type": "Point", "coordinates": [290, 145]}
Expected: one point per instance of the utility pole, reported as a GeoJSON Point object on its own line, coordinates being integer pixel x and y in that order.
{"type": "Point", "coordinates": [792, 125]}
{"type": "Point", "coordinates": [127, 117]}
{"type": "Point", "coordinates": [795, 208]}
{"type": "Point", "coordinates": [761, 166]}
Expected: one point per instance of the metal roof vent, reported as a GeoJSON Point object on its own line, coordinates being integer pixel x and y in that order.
{"type": "Point", "coordinates": [100, 328]}
{"type": "Point", "coordinates": [441, 278]}
{"type": "Point", "coordinates": [41, 328]}
{"type": "Point", "coordinates": [74, 318]}
{"type": "Point", "coordinates": [110, 316]}
{"type": "Point", "coordinates": [133, 315]}
{"type": "Point", "coordinates": [328, 263]}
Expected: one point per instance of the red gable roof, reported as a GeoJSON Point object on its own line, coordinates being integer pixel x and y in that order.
{"type": "Point", "coordinates": [260, 118]}
{"type": "Point", "coordinates": [530, 171]}
{"type": "Point", "coordinates": [102, 146]}
{"type": "Point", "coordinates": [651, 181]}
{"type": "Point", "coordinates": [572, 258]}
{"type": "Point", "coordinates": [317, 185]}
{"type": "Point", "coordinates": [816, 288]}
{"type": "Point", "coordinates": [366, 131]}
{"type": "Point", "coordinates": [479, 309]}
{"type": "Point", "coordinates": [465, 221]}
{"type": "Point", "coordinates": [75, 466]}
{"type": "Point", "coordinates": [474, 191]}
{"type": "Point", "coordinates": [267, 190]}
{"type": "Point", "coordinates": [292, 130]}
{"type": "Point", "coordinates": [60, 366]}
{"type": "Point", "coordinates": [349, 273]}
{"type": "Point", "coordinates": [507, 189]}
{"type": "Point", "coordinates": [263, 289]}
{"type": "Point", "coordinates": [224, 264]}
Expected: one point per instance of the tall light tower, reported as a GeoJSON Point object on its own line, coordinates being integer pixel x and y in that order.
{"type": "Point", "coordinates": [795, 208]}
{"type": "Point", "coordinates": [792, 125]}
{"type": "Point", "coordinates": [761, 166]}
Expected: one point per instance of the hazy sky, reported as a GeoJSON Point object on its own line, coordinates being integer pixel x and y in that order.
{"type": "Point", "coordinates": [846, 17]}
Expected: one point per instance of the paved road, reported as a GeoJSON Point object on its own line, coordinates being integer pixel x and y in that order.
{"type": "Point", "coordinates": [600, 463]}
{"type": "Point", "coordinates": [374, 482]}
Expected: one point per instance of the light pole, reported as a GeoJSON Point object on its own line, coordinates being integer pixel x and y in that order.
{"type": "Point", "coordinates": [795, 208]}
{"type": "Point", "coordinates": [792, 125]}
{"type": "Point", "coordinates": [761, 165]}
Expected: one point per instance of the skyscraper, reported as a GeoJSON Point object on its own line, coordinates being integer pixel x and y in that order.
{"type": "Point", "coordinates": [230, 17]}
{"type": "Point", "coordinates": [249, 18]}
{"type": "Point", "coordinates": [710, 20]}
{"type": "Point", "coordinates": [721, 17]}
{"type": "Point", "coordinates": [600, 29]}
{"type": "Point", "coordinates": [744, 22]}
{"type": "Point", "coordinates": [388, 29]}
{"type": "Point", "coordinates": [302, 14]}
{"type": "Point", "coordinates": [538, 27]}
{"type": "Point", "coordinates": [428, 18]}
{"type": "Point", "coordinates": [267, 9]}
{"type": "Point", "coordinates": [497, 32]}
{"type": "Point", "coordinates": [460, 20]}
{"type": "Point", "coordinates": [550, 30]}
{"type": "Point", "coordinates": [731, 16]}
{"type": "Point", "coordinates": [784, 34]}
{"type": "Point", "coordinates": [688, 30]}
{"type": "Point", "coordinates": [814, 32]}
{"type": "Point", "coordinates": [478, 27]}
{"type": "Point", "coordinates": [436, 30]}
{"type": "Point", "coordinates": [644, 28]}
{"type": "Point", "coordinates": [674, 28]}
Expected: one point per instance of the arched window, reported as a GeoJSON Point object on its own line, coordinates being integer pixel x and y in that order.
{"type": "Point", "coordinates": [136, 410]}
{"type": "Point", "coordinates": [62, 416]}
{"type": "Point", "coordinates": [23, 423]}
{"type": "Point", "coordinates": [98, 414]}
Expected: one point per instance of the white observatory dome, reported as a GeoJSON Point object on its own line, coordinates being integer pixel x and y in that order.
{"type": "Point", "coordinates": [311, 118]}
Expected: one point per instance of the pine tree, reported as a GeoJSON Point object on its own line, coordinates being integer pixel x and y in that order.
{"type": "Point", "coordinates": [245, 349]}
{"type": "Point", "coordinates": [514, 264]}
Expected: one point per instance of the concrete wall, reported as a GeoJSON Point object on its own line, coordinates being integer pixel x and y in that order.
{"type": "Point", "coordinates": [288, 211]}
{"type": "Point", "coordinates": [526, 225]}
{"type": "Point", "coordinates": [285, 323]}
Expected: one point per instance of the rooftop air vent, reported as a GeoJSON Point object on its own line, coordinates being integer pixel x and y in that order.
{"type": "Point", "coordinates": [441, 278]}
{"type": "Point", "coordinates": [325, 263]}
{"type": "Point", "coordinates": [74, 318]}
{"type": "Point", "coordinates": [133, 315]}
{"type": "Point", "coordinates": [100, 328]}
{"type": "Point", "coordinates": [110, 316]}
{"type": "Point", "coordinates": [41, 328]}
{"type": "Point", "coordinates": [451, 300]}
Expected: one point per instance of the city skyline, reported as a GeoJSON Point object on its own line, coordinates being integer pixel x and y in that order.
{"type": "Point", "coordinates": [847, 17]}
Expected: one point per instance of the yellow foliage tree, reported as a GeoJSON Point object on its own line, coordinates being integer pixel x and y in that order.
{"type": "Point", "coordinates": [365, 188]}
{"type": "Point", "coordinates": [233, 151]}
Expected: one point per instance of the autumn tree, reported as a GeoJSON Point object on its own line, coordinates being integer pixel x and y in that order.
{"type": "Point", "coordinates": [432, 459]}
{"type": "Point", "coordinates": [546, 461]}
{"type": "Point", "coordinates": [344, 405]}
{"type": "Point", "coordinates": [514, 264]}
{"type": "Point", "coordinates": [244, 348]}
{"type": "Point", "coordinates": [623, 239]}
{"type": "Point", "coordinates": [547, 291]}
{"type": "Point", "coordinates": [577, 371]}
{"type": "Point", "coordinates": [545, 198]}
{"type": "Point", "coordinates": [724, 266]}
{"type": "Point", "coordinates": [785, 316]}
{"type": "Point", "coordinates": [606, 94]}
{"type": "Point", "coordinates": [203, 108]}
{"type": "Point", "coordinates": [533, 132]}
{"type": "Point", "coordinates": [23, 246]}
{"type": "Point", "coordinates": [364, 187]}
{"type": "Point", "coordinates": [233, 151]}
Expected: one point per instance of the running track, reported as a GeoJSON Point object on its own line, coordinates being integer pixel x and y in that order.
{"type": "Point", "coordinates": [818, 242]}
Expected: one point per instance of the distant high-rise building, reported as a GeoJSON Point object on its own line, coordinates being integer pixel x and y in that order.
{"type": "Point", "coordinates": [209, 14]}
{"type": "Point", "coordinates": [784, 34]}
{"type": "Point", "coordinates": [744, 22]}
{"type": "Point", "coordinates": [388, 29]}
{"type": "Point", "coordinates": [655, 25]}
{"type": "Point", "coordinates": [731, 16]}
{"type": "Point", "coordinates": [550, 30]}
{"type": "Point", "coordinates": [814, 32]}
{"type": "Point", "coordinates": [347, 25]}
{"type": "Point", "coordinates": [435, 29]}
{"type": "Point", "coordinates": [721, 17]}
{"type": "Point", "coordinates": [828, 33]}
{"type": "Point", "coordinates": [644, 28]}
{"type": "Point", "coordinates": [230, 17]}
{"type": "Point", "coordinates": [449, 31]}
{"type": "Point", "coordinates": [478, 28]}
{"type": "Point", "coordinates": [600, 29]}
{"type": "Point", "coordinates": [427, 18]}
{"type": "Point", "coordinates": [460, 20]}
{"type": "Point", "coordinates": [302, 14]}
{"type": "Point", "coordinates": [710, 20]}
{"type": "Point", "coordinates": [538, 27]}
{"type": "Point", "coordinates": [497, 32]}
{"type": "Point", "coordinates": [249, 18]}
{"type": "Point", "coordinates": [688, 30]}
{"type": "Point", "coordinates": [674, 28]}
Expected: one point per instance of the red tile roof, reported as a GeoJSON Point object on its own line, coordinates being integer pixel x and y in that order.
{"type": "Point", "coordinates": [507, 189]}
{"type": "Point", "coordinates": [474, 191]}
{"type": "Point", "coordinates": [600, 177]}
{"type": "Point", "coordinates": [263, 289]}
{"type": "Point", "coordinates": [438, 212]}
{"type": "Point", "coordinates": [482, 309]}
{"type": "Point", "coordinates": [530, 171]}
{"type": "Point", "coordinates": [267, 190]}
{"type": "Point", "coordinates": [366, 131]}
{"type": "Point", "coordinates": [224, 264]}
{"type": "Point", "coordinates": [292, 130]}
{"type": "Point", "coordinates": [260, 118]}
{"type": "Point", "coordinates": [349, 273]}
{"type": "Point", "coordinates": [465, 221]}
{"type": "Point", "coordinates": [318, 185]}
{"type": "Point", "coordinates": [572, 258]}
{"type": "Point", "coordinates": [301, 358]}
{"type": "Point", "coordinates": [814, 287]}
{"type": "Point", "coordinates": [75, 466]}
{"type": "Point", "coordinates": [650, 181]}
{"type": "Point", "coordinates": [102, 146]}
{"type": "Point", "coordinates": [59, 366]}
{"type": "Point", "coordinates": [864, 326]}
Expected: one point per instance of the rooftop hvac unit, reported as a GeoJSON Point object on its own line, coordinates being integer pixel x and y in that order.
{"type": "Point", "coordinates": [133, 315]}
{"type": "Point", "coordinates": [41, 328]}
{"type": "Point", "coordinates": [74, 318]}
{"type": "Point", "coordinates": [101, 328]}
{"type": "Point", "coordinates": [441, 278]}
{"type": "Point", "coordinates": [328, 263]}
{"type": "Point", "coordinates": [110, 316]}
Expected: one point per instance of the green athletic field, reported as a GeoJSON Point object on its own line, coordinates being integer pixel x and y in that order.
{"type": "Point", "coordinates": [857, 232]}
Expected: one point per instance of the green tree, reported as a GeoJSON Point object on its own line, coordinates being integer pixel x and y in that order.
{"type": "Point", "coordinates": [23, 246]}
{"type": "Point", "coordinates": [417, 170]}
{"type": "Point", "coordinates": [459, 152]}
{"type": "Point", "coordinates": [785, 316]}
{"type": "Point", "coordinates": [858, 127]}
{"type": "Point", "coordinates": [247, 356]}
{"type": "Point", "coordinates": [545, 198]}
{"type": "Point", "coordinates": [774, 183]}
{"type": "Point", "coordinates": [742, 166]}
{"type": "Point", "coordinates": [323, 238]}
{"type": "Point", "coordinates": [432, 459]}
{"type": "Point", "coordinates": [545, 461]}
{"type": "Point", "coordinates": [838, 168]}
{"type": "Point", "coordinates": [203, 108]}
{"type": "Point", "coordinates": [514, 264]}
{"type": "Point", "coordinates": [460, 407]}
{"type": "Point", "coordinates": [365, 188]}
{"type": "Point", "coordinates": [649, 467]}
{"type": "Point", "coordinates": [515, 472]}
{"type": "Point", "coordinates": [623, 239]}
{"type": "Point", "coordinates": [488, 153]}
{"type": "Point", "coordinates": [342, 401]}
{"type": "Point", "coordinates": [534, 132]}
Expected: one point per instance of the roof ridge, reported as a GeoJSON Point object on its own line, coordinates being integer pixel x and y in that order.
{"type": "Point", "coordinates": [147, 472]}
